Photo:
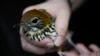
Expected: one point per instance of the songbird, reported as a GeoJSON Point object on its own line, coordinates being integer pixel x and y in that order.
{"type": "Point", "coordinates": [37, 25]}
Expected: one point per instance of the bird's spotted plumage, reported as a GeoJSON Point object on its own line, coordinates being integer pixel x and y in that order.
{"type": "Point", "coordinates": [37, 25]}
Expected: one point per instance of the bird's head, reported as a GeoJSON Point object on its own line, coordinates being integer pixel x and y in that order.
{"type": "Point", "coordinates": [36, 19]}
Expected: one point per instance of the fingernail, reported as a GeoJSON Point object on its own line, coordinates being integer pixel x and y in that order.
{"type": "Point", "coordinates": [49, 45]}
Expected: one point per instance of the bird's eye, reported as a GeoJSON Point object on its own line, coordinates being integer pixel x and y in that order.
{"type": "Point", "coordinates": [35, 20]}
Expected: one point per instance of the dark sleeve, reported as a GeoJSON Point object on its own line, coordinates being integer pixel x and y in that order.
{"type": "Point", "coordinates": [10, 14]}
{"type": "Point", "coordinates": [85, 23]}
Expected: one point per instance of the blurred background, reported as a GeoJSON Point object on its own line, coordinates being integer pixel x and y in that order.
{"type": "Point", "coordinates": [84, 23]}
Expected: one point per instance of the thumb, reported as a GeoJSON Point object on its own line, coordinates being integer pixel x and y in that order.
{"type": "Point", "coordinates": [61, 24]}
{"type": "Point", "coordinates": [59, 41]}
{"type": "Point", "coordinates": [82, 48]}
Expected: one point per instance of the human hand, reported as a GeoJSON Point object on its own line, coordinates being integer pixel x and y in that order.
{"type": "Point", "coordinates": [32, 46]}
{"type": "Point", "coordinates": [60, 12]}
{"type": "Point", "coordinates": [84, 51]}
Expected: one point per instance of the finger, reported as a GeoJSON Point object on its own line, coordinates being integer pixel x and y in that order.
{"type": "Point", "coordinates": [95, 54]}
{"type": "Point", "coordinates": [49, 45]}
{"type": "Point", "coordinates": [31, 48]}
{"type": "Point", "coordinates": [61, 24]}
{"type": "Point", "coordinates": [46, 43]}
{"type": "Point", "coordinates": [94, 47]}
{"type": "Point", "coordinates": [59, 41]}
{"type": "Point", "coordinates": [21, 31]}
{"type": "Point", "coordinates": [82, 49]}
{"type": "Point", "coordinates": [98, 53]}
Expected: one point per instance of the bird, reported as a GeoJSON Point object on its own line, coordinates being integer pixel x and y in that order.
{"type": "Point", "coordinates": [37, 25]}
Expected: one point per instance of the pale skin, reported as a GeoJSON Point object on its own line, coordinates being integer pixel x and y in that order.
{"type": "Point", "coordinates": [60, 11]}
{"type": "Point", "coordinates": [85, 51]}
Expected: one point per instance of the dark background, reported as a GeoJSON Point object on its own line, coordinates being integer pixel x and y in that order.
{"type": "Point", "coordinates": [84, 22]}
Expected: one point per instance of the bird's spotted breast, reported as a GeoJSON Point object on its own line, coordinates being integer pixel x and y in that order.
{"type": "Point", "coordinates": [48, 31]}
